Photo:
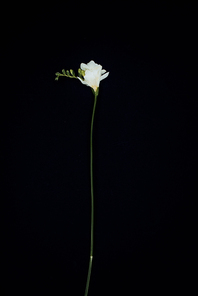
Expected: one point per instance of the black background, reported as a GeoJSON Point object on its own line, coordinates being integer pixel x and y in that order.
{"type": "Point", "coordinates": [144, 149]}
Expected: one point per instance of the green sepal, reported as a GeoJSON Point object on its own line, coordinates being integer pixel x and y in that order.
{"type": "Point", "coordinates": [95, 92]}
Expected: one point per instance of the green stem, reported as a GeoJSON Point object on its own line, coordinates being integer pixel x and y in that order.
{"type": "Point", "coordinates": [92, 196]}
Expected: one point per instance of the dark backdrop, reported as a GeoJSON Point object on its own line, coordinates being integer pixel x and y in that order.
{"type": "Point", "coordinates": [144, 149]}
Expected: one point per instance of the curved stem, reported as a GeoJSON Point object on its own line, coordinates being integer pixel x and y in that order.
{"type": "Point", "coordinates": [92, 197]}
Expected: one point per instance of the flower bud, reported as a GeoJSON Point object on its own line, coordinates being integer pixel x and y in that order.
{"type": "Point", "coordinates": [72, 72]}
{"type": "Point", "coordinates": [81, 72]}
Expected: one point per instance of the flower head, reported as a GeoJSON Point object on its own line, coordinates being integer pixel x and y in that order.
{"type": "Point", "coordinates": [92, 74]}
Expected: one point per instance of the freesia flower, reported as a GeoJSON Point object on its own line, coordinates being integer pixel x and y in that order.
{"type": "Point", "coordinates": [89, 74]}
{"type": "Point", "coordinates": [92, 74]}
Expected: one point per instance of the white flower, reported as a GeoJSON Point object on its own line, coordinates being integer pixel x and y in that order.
{"type": "Point", "coordinates": [93, 74]}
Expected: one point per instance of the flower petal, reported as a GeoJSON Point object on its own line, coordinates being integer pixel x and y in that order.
{"type": "Point", "coordinates": [91, 64]}
{"type": "Point", "coordinates": [104, 76]}
{"type": "Point", "coordinates": [103, 71]}
{"type": "Point", "coordinates": [83, 82]}
{"type": "Point", "coordinates": [84, 67]}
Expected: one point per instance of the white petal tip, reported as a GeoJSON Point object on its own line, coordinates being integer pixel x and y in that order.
{"type": "Point", "coordinates": [104, 76]}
